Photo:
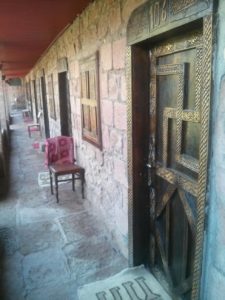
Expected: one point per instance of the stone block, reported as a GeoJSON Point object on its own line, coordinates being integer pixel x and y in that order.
{"type": "Point", "coordinates": [100, 158]}
{"type": "Point", "coordinates": [76, 69]}
{"type": "Point", "coordinates": [71, 67]}
{"type": "Point", "coordinates": [128, 6]}
{"type": "Point", "coordinates": [116, 140]}
{"type": "Point", "coordinates": [123, 89]}
{"type": "Point", "coordinates": [105, 137]}
{"type": "Point", "coordinates": [120, 116]}
{"type": "Point", "coordinates": [120, 171]}
{"type": "Point", "coordinates": [107, 112]}
{"type": "Point", "coordinates": [103, 85]}
{"type": "Point", "coordinates": [72, 103]}
{"type": "Point", "coordinates": [119, 54]}
{"type": "Point", "coordinates": [125, 147]}
{"type": "Point", "coordinates": [103, 20]}
{"type": "Point", "coordinates": [114, 15]}
{"type": "Point", "coordinates": [106, 57]}
{"type": "Point", "coordinates": [114, 85]}
{"type": "Point", "coordinates": [77, 107]}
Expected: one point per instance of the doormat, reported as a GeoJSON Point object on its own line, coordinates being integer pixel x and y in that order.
{"type": "Point", "coordinates": [130, 284]}
{"type": "Point", "coordinates": [44, 179]}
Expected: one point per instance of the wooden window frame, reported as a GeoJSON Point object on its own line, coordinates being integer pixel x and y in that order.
{"type": "Point", "coordinates": [90, 100]}
{"type": "Point", "coordinates": [51, 97]}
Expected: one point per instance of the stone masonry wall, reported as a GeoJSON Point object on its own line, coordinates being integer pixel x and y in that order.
{"type": "Point", "coordinates": [6, 94]}
{"type": "Point", "coordinates": [102, 27]}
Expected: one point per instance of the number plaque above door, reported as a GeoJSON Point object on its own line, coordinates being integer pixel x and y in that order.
{"type": "Point", "coordinates": [158, 16]}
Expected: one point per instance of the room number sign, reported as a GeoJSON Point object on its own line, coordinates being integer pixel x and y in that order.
{"type": "Point", "coordinates": [156, 17]}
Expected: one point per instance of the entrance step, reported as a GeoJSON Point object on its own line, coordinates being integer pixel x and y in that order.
{"type": "Point", "coordinates": [130, 284]}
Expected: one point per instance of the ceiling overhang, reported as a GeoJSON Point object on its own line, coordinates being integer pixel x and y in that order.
{"type": "Point", "coordinates": [28, 27]}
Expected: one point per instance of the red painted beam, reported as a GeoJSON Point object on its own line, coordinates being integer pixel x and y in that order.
{"type": "Point", "coordinates": [27, 28]}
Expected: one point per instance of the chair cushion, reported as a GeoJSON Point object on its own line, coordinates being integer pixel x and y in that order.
{"type": "Point", "coordinates": [34, 128]}
{"type": "Point", "coordinates": [62, 169]}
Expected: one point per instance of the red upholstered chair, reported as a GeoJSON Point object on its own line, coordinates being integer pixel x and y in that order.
{"type": "Point", "coordinates": [59, 155]}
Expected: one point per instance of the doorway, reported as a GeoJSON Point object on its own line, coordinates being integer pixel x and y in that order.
{"type": "Point", "coordinates": [45, 107]}
{"type": "Point", "coordinates": [64, 104]}
{"type": "Point", "coordinates": [169, 132]}
{"type": "Point", "coordinates": [35, 99]}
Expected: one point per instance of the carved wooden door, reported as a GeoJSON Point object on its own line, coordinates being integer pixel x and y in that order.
{"type": "Point", "coordinates": [175, 135]}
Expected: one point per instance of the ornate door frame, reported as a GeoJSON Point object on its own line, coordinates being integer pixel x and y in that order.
{"type": "Point", "coordinates": [137, 73]}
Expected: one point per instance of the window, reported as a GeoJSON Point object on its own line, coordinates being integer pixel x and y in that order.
{"type": "Point", "coordinates": [90, 106]}
{"type": "Point", "coordinates": [51, 97]}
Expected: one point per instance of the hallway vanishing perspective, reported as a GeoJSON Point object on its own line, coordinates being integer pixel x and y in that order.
{"type": "Point", "coordinates": [47, 249]}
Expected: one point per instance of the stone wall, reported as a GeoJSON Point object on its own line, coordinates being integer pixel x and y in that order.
{"type": "Point", "coordinates": [213, 285]}
{"type": "Point", "coordinates": [5, 94]}
{"type": "Point", "coordinates": [101, 27]}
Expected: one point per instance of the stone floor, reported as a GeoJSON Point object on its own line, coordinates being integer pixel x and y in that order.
{"type": "Point", "coordinates": [47, 250]}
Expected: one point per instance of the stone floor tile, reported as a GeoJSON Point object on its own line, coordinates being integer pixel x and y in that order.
{"type": "Point", "coordinates": [68, 206]}
{"type": "Point", "coordinates": [87, 256]}
{"type": "Point", "coordinates": [81, 226]}
{"type": "Point", "coordinates": [11, 278]}
{"type": "Point", "coordinates": [55, 292]}
{"type": "Point", "coordinates": [8, 241]}
{"type": "Point", "coordinates": [44, 267]}
{"type": "Point", "coordinates": [29, 199]}
{"type": "Point", "coordinates": [39, 214]}
{"type": "Point", "coordinates": [7, 216]}
{"type": "Point", "coordinates": [42, 236]}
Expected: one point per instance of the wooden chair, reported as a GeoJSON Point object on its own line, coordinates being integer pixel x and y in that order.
{"type": "Point", "coordinates": [35, 126]}
{"type": "Point", "coordinates": [60, 160]}
{"type": "Point", "coordinates": [26, 115]}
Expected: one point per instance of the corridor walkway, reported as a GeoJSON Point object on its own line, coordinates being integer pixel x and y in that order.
{"type": "Point", "coordinates": [47, 249]}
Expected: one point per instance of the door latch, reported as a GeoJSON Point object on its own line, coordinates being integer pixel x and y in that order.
{"type": "Point", "coordinates": [149, 166]}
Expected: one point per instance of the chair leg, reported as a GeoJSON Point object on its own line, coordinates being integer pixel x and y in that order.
{"type": "Point", "coordinates": [82, 184]}
{"type": "Point", "coordinates": [73, 182]}
{"type": "Point", "coordinates": [51, 183]}
{"type": "Point", "coordinates": [56, 188]}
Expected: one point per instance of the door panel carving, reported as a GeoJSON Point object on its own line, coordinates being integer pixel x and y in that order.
{"type": "Point", "coordinates": [174, 147]}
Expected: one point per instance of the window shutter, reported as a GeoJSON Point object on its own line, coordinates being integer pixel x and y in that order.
{"type": "Point", "coordinates": [90, 106]}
